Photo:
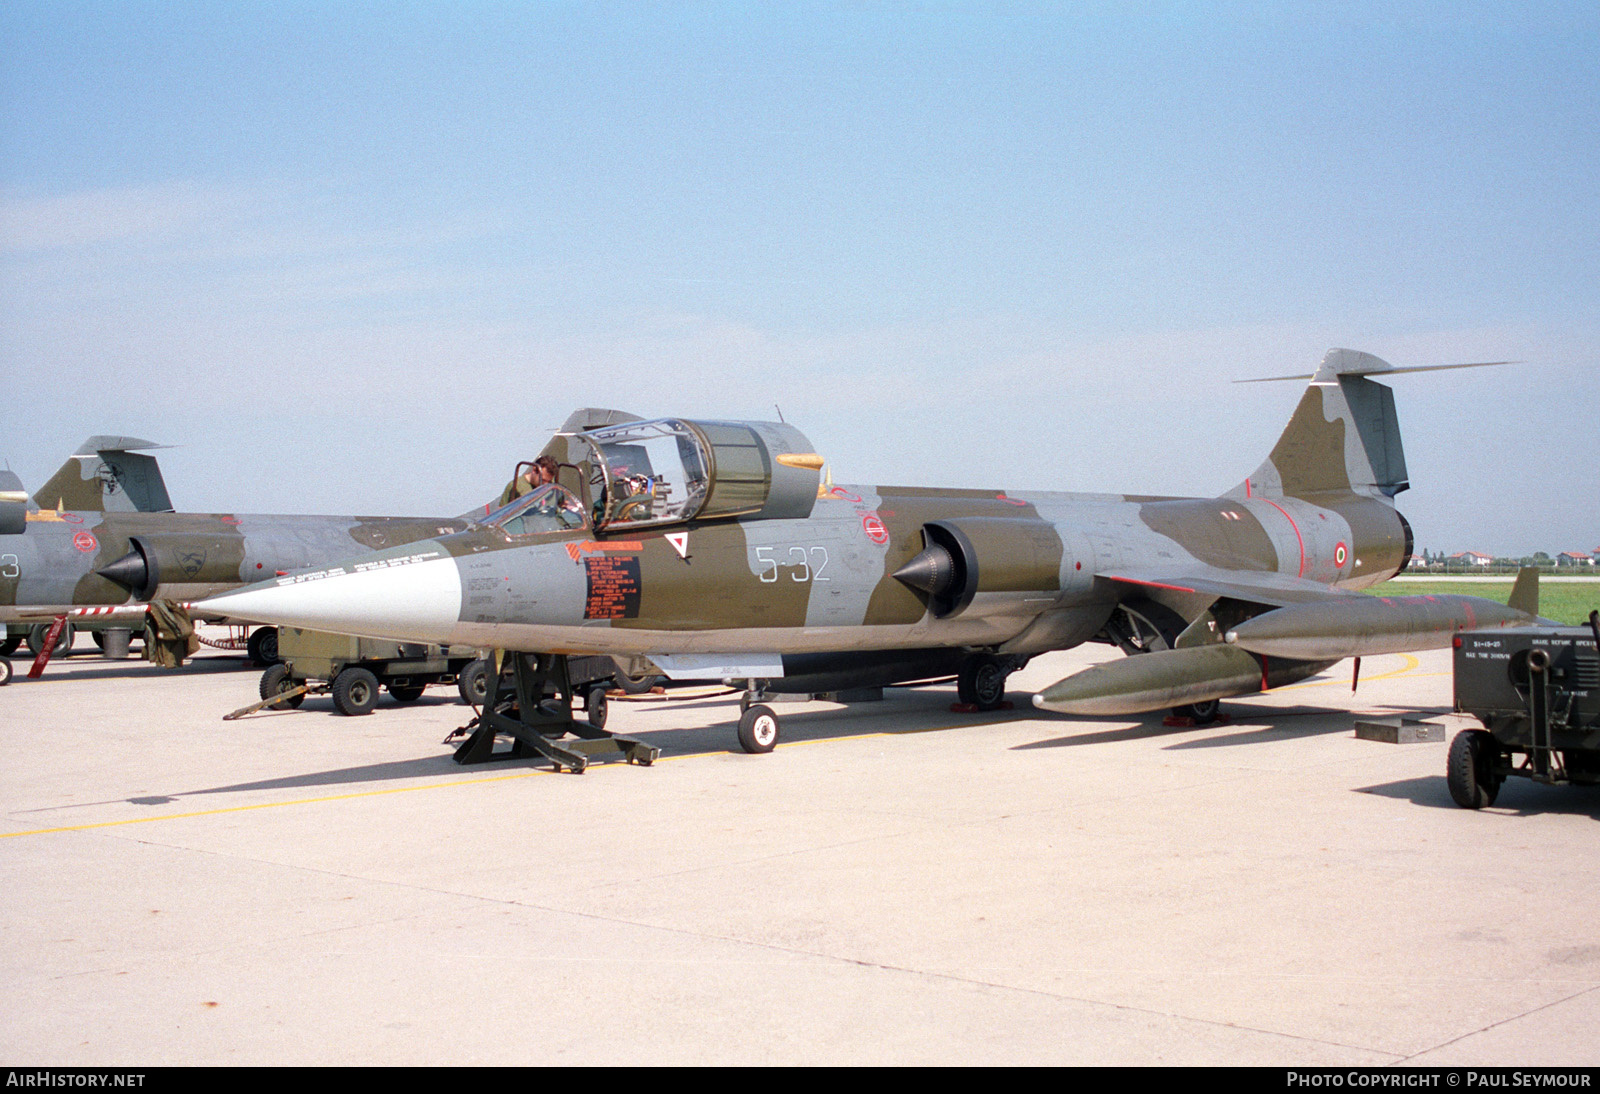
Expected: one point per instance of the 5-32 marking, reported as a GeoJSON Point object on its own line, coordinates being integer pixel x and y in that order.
{"type": "Point", "coordinates": [806, 563]}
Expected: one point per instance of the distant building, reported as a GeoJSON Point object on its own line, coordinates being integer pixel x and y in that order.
{"type": "Point", "coordinates": [1574, 558]}
{"type": "Point", "coordinates": [1472, 558]}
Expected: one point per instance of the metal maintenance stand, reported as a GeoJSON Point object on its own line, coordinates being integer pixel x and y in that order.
{"type": "Point", "coordinates": [532, 704]}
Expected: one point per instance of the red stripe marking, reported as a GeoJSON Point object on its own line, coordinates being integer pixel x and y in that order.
{"type": "Point", "coordinates": [1297, 538]}
{"type": "Point", "coordinates": [1151, 584]}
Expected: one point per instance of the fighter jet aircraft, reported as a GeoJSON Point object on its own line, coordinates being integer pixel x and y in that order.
{"type": "Point", "coordinates": [718, 549]}
{"type": "Point", "coordinates": [100, 539]}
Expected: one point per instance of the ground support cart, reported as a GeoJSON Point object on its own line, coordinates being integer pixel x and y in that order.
{"type": "Point", "coordinates": [1537, 693]}
{"type": "Point", "coordinates": [354, 669]}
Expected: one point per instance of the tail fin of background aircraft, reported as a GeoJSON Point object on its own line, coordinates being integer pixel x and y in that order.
{"type": "Point", "coordinates": [13, 505]}
{"type": "Point", "coordinates": [108, 474]}
{"type": "Point", "coordinates": [1344, 437]}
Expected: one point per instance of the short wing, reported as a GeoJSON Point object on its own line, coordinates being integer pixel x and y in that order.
{"type": "Point", "coordinates": [1268, 589]}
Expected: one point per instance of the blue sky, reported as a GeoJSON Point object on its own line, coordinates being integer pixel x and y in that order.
{"type": "Point", "coordinates": [363, 257]}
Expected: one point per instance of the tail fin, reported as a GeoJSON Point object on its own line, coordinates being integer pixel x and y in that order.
{"type": "Point", "coordinates": [1344, 437]}
{"type": "Point", "coordinates": [108, 474]}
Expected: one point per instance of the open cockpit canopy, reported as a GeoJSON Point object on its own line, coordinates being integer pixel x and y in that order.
{"type": "Point", "coordinates": [670, 470]}
{"type": "Point", "coordinates": [548, 508]}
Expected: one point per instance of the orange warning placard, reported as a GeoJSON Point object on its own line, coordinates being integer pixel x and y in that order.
{"type": "Point", "coordinates": [613, 587]}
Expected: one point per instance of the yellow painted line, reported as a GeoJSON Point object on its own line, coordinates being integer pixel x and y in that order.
{"type": "Point", "coordinates": [1411, 663]}
{"type": "Point", "coordinates": [273, 805]}
{"type": "Point", "coordinates": [445, 785]}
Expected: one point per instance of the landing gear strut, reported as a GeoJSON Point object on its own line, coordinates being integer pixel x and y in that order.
{"type": "Point", "coordinates": [1143, 626]}
{"type": "Point", "coordinates": [532, 704]}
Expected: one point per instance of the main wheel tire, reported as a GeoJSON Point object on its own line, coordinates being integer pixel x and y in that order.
{"type": "Point", "coordinates": [99, 640]}
{"type": "Point", "coordinates": [982, 682]}
{"type": "Point", "coordinates": [355, 691]}
{"type": "Point", "coordinates": [263, 646]}
{"type": "Point", "coordinates": [595, 704]}
{"type": "Point", "coordinates": [1201, 714]}
{"type": "Point", "coordinates": [5, 672]}
{"type": "Point", "coordinates": [406, 693]}
{"type": "Point", "coordinates": [9, 644]}
{"type": "Point", "coordinates": [758, 729]}
{"type": "Point", "coordinates": [634, 685]}
{"type": "Point", "coordinates": [473, 683]}
{"type": "Point", "coordinates": [277, 680]}
{"type": "Point", "coordinates": [36, 637]}
{"type": "Point", "coordinates": [1469, 771]}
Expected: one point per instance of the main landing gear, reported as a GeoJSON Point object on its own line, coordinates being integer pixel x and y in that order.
{"type": "Point", "coordinates": [1143, 626]}
{"type": "Point", "coordinates": [981, 683]}
{"type": "Point", "coordinates": [530, 701]}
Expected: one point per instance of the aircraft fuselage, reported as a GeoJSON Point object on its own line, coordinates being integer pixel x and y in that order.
{"type": "Point", "coordinates": [826, 582]}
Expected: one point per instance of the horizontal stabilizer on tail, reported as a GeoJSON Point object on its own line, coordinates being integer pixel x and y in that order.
{"type": "Point", "coordinates": [1344, 437]}
{"type": "Point", "coordinates": [1350, 362]}
{"type": "Point", "coordinates": [108, 474]}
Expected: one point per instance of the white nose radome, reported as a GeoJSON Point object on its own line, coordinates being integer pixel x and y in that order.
{"type": "Point", "coordinates": [418, 601]}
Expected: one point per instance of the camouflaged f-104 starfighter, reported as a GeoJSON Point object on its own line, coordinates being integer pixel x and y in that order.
{"type": "Point", "coordinates": [719, 549]}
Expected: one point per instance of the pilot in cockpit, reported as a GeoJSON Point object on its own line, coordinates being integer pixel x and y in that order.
{"type": "Point", "coordinates": [541, 471]}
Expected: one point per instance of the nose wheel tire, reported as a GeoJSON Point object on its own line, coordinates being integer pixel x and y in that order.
{"type": "Point", "coordinates": [758, 729]}
{"type": "Point", "coordinates": [5, 672]}
{"type": "Point", "coordinates": [355, 691]}
{"type": "Point", "coordinates": [277, 680]}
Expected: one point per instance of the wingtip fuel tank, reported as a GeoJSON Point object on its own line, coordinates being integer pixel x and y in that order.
{"type": "Point", "coordinates": [1151, 681]}
{"type": "Point", "coordinates": [1171, 678]}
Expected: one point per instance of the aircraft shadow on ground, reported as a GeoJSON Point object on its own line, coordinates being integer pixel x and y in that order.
{"type": "Point", "coordinates": [1265, 727]}
{"type": "Point", "coordinates": [1518, 797]}
{"type": "Point", "coordinates": [417, 768]}
{"type": "Point", "coordinates": [1153, 725]}
{"type": "Point", "coordinates": [1247, 726]}
{"type": "Point", "coordinates": [925, 712]}
{"type": "Point", "coordinates": [902, 712]}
